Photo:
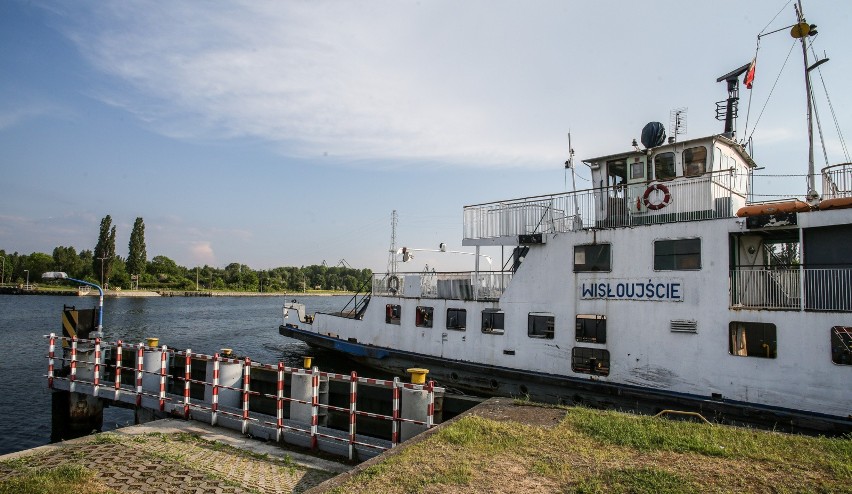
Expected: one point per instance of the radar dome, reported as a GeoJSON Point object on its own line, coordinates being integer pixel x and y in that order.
{"type": "Point", "coordinates": [653, 134]}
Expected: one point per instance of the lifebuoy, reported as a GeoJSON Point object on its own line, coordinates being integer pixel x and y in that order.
{"type": "Point", "coordinates": [667, 197]}
{"type": "Point", "coordinates": [393, 284]}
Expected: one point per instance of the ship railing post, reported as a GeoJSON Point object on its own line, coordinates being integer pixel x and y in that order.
{"type": "Point", "coordinates": [140, 363]}
{"type": "Point", "coordinates": [395, 429]}
{"type": "Point", "coordinates": [187, 377]}
{"type": "Point", "coordinates": [353, 399]}
{"type": "Point", "coordinates": [214, 406]}
{"type": "Point", "coordinates": [73, 386]}
{"type": "Point", "coordinates": [314, 406]}
{"type": "Point", "coordinates": [279, 403]}
{"type": "Point", "coordinates": [246, 388]}
{"type": "Point", "coordinates": [163, 356]}
{"type": "Point", "coordinates": [97, 374]}
{"type": "Point", "coordinates": [117, 382]}
{"type": "Point", "coordinates": [51, 356]}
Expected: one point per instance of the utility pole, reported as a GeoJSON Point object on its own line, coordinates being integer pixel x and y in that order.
{"type": "Point", "coordinates": [392, 261]}
{"type": "Point", "coordinates": [102, 268]}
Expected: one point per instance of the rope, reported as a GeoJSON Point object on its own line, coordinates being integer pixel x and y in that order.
{"type": "Point", "coordinates": [833, 115]}
{"type": "Point", "coordinates": [774, 85]}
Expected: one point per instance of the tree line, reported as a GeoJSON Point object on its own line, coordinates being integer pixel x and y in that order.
{"type": "Point", "coordinates": [110, 270]}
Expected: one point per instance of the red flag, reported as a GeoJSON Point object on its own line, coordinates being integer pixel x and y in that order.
{"type": "Point", "coordinates": [749, 77]}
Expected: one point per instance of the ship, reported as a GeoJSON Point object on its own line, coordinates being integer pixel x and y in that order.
{"type": "Point", "coordinates": [663, 287]}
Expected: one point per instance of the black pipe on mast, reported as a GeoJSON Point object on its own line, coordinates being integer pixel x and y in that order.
{"type": "Point", "coordinates": [729, 113]}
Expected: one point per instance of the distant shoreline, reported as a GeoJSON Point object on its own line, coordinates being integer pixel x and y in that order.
{"type": "Point", "coordinates": [17, 290]}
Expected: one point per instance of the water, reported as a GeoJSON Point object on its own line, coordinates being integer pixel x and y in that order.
{"type": "Point", "coordinates": [249, 325]}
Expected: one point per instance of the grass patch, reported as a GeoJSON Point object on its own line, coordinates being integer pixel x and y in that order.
{"type": "Point", "coordinates": [67, 479]}
{"type": "Point", "coordinates": [636, 481]}
{"type": "Point", "coordinates": [482, 434]}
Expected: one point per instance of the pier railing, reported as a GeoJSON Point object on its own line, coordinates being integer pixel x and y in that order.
{"type": "Point", "coordinates": [837, 181]}
{"type": "Point", "coordinates": [792, 288]}
{"type": "Point", "coordinates": [713, 195]}
{"type": "Point", "coordinates": [227, 392]}
{"type": "Point", "coordinates": [465, 285]}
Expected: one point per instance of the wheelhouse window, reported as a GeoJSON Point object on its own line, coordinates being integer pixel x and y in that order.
{"type": "Point", "coordinates": [694, 161]}
{"type": "Point", "coordinates": [752, 339]}
{"type": "Point", "coordinates": [456, 319]}
{"type": "Point", "coordinates": [591, 328]}
{"type": "Point", "coordinates": [664, 166]}
{"type": "Point", "coordinates": [637, 169]}
{"type": "Point", "coordinates": [590, 361]}
{"type": "Point", "coordinates": [392, 313]}
{"type": "Point", "coordinates": [841, 345]}
{"type": "Point", "coordinates": [681, 254]}
{"type": "Point", "coordinates": [541, 326]}
{"type": "Point", "coordinates": [594, 257]}
{"type": "Point", "coordinates": [493, 322]}
{"type": "Point", "coordinates": [423, 316]}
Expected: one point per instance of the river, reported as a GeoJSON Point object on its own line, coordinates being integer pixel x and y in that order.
{"type": "Point", "coordinates": [249, 325]}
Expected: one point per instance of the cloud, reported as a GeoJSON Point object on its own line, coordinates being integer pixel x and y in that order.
{"type": "Point", "coordinates": [202, 253]}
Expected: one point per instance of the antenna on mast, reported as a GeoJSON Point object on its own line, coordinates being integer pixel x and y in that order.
{"type": "Point", "coordinates": [677, 122]}
{"type": "Point", "coordinates": [578, 223]}
{"type": "Point", "coordinates": [392, 251]}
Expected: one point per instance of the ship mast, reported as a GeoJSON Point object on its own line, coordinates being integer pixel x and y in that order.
{"type": "Point", "coordinates": [801, 31]}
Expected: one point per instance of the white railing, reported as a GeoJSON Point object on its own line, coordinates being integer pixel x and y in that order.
{"type": "Point", "coordinates": [468, 285]}
{"type": "Point", "coordinates": [837, 181]}
{"type": "Point", "coordinates": [822, 289]}
{"type": "Point", "coordinates": [714, 195]}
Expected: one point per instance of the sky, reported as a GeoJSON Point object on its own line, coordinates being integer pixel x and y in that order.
{"type": "Point", "coordinates": [285, 133]}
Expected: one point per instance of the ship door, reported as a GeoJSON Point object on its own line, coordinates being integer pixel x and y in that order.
{"type": "Point", "coordinates": [638, 177]}
{"type": "Point", "coordinates": [615, 193]}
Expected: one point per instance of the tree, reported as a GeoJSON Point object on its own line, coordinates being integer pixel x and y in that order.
{"type": "Point", "coordinates": [104, 250]}
{"type": "Point", "coordinates": [66, 259]}
{"type": "Point", "coordinates": [137, 257]}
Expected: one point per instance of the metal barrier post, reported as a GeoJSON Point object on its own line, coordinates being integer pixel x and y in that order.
{"type": "Point", "coordinates": [140, 359]}
{"type": "Point", "coordinates": [353, 399]}
{"type": "Point", "coordinates": [187, 376]}
{"type": "Point", "coordinates": [118, 352]}
{"type": "Point", "coordinates": [246, 387]}
{"type": "Point", "coordinates": [395, 430]}
{"type": "Point", "coordinates": [279, 403]}
{"type": "Point", "coordinates": [73, 386]}
{"type": "Point", "coordinates": [51, 354]}
{"type": "Point", "coordinates": [97, 377]}
{"type": "Point", "coordinates": [430, 411]}
{"type": "Point", "coordinates": [163, 352]}
{"type": "Point", "coordinates": [215, 402]}
{"type": "Point", "coordinates": [314, 406]}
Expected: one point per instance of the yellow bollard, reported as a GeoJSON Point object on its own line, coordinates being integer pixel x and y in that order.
{"type": "Point", "coordinates": [226, 352]}
{"type": "Point", "coordinates": [308, 361]}
{"type": "Point", "coordinates": [152, 342]}
{"type": "Point", "coordinates": [418, 376]}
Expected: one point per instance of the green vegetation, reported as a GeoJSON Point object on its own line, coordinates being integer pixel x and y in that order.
{"type": "Point", "coordinates": [592, 451]}
{"type": "Point", "coordinates": [67, 479]}
{"type": "Point", "coordinates": [104, 267]}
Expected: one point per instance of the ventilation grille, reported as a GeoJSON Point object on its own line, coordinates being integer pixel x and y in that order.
{"type": "Point", "coordinates": [684, 326]}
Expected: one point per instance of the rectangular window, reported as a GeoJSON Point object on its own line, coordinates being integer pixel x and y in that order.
{"type": "Point", "coordinates": [682, 254]}
{"type": "Point", "coordinates": [637, 169]}
{"type": "Point", "coordinates": [590, 361]}
{"type": "Point", "coordinates": [841, 345]}
{"type": "Point", "coordinates": [493, 322]}
{"type": "Point", "coordinates": [664, 166]}
{"type": "Point", "coordinates": [591, 328]}
{"type": "Point", "coordinates": [694, 161]}
{"type": "Point", "coordinates": [392, 313]}
{"type": "Point", "coordinates": [456, 319]}
{"type": "Point", "coordinates": [541, 326]}
{"type": "Point", "coordinates": [592, 258]}
{"type": "Point", "coordinates": [752, 339]}
{"type": "Point", "coordinates": [423, 316]}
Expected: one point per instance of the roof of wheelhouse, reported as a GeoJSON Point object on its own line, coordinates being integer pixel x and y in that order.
{"type": "Point", "coordinates": [735, 146]}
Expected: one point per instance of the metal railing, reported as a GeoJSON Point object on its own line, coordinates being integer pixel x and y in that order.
{"type": "Point", "coordinates": [792, 288]}
{"type": "Point", "coordinates": [161, 378]}
{"type": "Point", "coordinates": [837, 181]}
{"type": "Point", "coordinates": [714, 195]}
{"type": "Point", "coordinates": [468, 285]}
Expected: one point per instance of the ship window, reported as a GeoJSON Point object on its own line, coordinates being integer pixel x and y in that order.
{"type": "Point", "coordinates": [541, 326]}
{"type": "Point", "coordinates": [752, 339]}
{"type": "Point", "coordinates": [637, 170]}
{"type": "Point", "coordinates": [591, 328]}
{"type": "Point", "coordinates": [841, 345]}
{"type": "Point", "coordinates": [681, 254]}
{"type": "Point", "coordinates": [590, 361]}
{"type": "Point", "coordinates": [694, 161]}
{"type": "Point", "coordinates": [718, 158]}
{"type": "Point", "coordinates": [664, 166]}
{"type": "Point", "coordinates": [456, 319]}
{"type": "Point", "coordinates": [392, 313]}
{"type": "Point", "coordinates": [493, 322]}
{"type": "Point", "coordinates": [423, 316]}
{"type": "Point", "coordinates": [592, 258]}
